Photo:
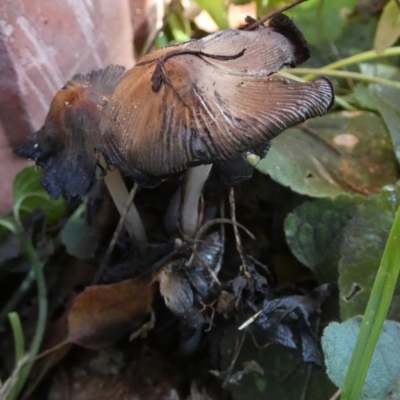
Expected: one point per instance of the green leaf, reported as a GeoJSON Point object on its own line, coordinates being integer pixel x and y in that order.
{"type": "Point", "coordinates": [338, 342]}
{"type": "Point", "coordinates": [363, 243]}
{"type": "Point", "coordinates": [362, 98]}
{"type": "Point", "coordinates": [387, 100]}
{"type": "Point", "coordinates": [218, 10]}
{"type": "Point", "coordinates": [340, 153]}
{"type": "Point", "coordinates": [314, 233]}
{"type": "Point", "coordinates": [322, 20]}
{"type": "Point", "coordinates": [79, 238]}
{"type": "Point", "coordinates": [7, 225]}
{"type": "Point", "coordinates": [29, 195]}
{"type": "Point", "coordinates": [379, 301]}
{"type": "Point", "coordinates": [388, 30]}
{"type": "Point", "coordinates": [179, 26]}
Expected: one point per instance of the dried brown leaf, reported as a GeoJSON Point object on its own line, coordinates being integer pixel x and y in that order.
{"type": "Point", "coordinates": [102, 314]}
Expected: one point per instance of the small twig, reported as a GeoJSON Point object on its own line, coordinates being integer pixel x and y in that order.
{"type": "Point", "coordinates": [238, 240]}
{"type": "Point", "coordinates": [258, 345]}
{"type": "Point", "coordinates": [321, 138]}
{"type": "Point", "coordinates": [336, 395]}
{"type": "Point", "coordinates": [250, 320]}
{"type": "Point", "coordinates": [354, 186]}
{"type": "Point", "coordinates": [273, 13]}
{"type": "Point", "coordinates": [233, 362]}
{"type": "Point", "coordinates": [116, 234]}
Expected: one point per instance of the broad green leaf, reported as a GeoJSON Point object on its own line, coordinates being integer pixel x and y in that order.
{"type": "Point", "coordinates": [363, 243]}
{"type": "Point", "coordinates": [340, 153]}
{"type": "Point", "coordinates": [218, 10]}
{"type": "Point", "coordinates": [345, 237]}
{"type": "Point", "coordinates": [29, 195]}
{"type": "Point", "coordinates": [388, 30]}
{"type": "Point", "coordinates": [322, 20]}
{"type": "Point", "coordinates": [314, 233]}
{"type": "Point", "coordinates": [338, 342]}
{"type": "Point", "coordinates": [387, 100]}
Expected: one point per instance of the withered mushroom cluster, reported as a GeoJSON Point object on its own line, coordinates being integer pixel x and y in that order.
{"type": "Point", "coordinates": [183, 109]}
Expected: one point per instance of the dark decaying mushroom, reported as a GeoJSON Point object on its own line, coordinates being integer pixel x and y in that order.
{"type": "Point", "coordinates": [187, 286]}
{"type": "Point", "coordinates": [189, 105]}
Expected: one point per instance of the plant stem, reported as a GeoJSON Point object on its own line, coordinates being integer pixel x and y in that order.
{"type": "Point", "coordinates": [358, 58]}
{"type": "Point", "coordinates": [375, 314]}
{"type": "Point", "coordinates": [18, 334]}
{"type": "Point", "coordinates": [42, 311]}
{"type": "Point", "coordinates": [346, 74]}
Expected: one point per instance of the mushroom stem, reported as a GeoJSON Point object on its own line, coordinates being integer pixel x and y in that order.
{"type": "Point", "coordinates": [192, 187]}
{"type": "Point", "coordinates": [119, 193]}
{"type": "Point", "coordinates": [172, 214]}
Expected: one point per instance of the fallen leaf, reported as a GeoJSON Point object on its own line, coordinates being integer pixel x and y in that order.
{"type": "Point", "coordinates": [102, 314]}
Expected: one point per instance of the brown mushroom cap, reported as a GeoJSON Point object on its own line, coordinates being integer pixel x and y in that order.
{"type": "Point", "coordinates": [196, 103]}
{"type": "Point", "coordinates": [212, 99]}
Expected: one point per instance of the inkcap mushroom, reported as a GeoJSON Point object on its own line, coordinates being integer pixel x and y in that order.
{"type": "Point", "coordinates": [183, 108]}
